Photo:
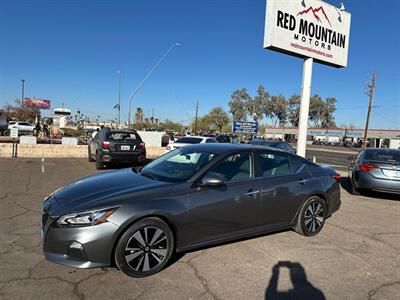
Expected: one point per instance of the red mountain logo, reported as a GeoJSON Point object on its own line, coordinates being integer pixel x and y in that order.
{"type": "Point", "coordinates": [314, 12]}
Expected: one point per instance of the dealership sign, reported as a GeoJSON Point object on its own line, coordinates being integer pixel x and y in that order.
{"type": "Point", "coordinates": [37, 103]}
{"type": "Point", "coordinates": [244, 127]}
{"type": "Point", "coordinates": [308, 28]}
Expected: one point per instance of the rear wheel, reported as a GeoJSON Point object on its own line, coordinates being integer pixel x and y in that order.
{"type": "Point", "coordinates": [145, 248]}
{"type": "Point", "coordinates": [99, 163]}
{"type": "Point", "coordinates": [353, 189]}
{"type": "Point", "coordinates": [312, 216]}
{"type": "Point", "coordinates": [90, 158]}
{"type": "Point", "coordinates": [6, 132]}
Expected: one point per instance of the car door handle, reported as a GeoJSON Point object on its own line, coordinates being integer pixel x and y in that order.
{"type": "Point", "coordinates": [303, 181]}
{"type": "Point", "coordinates": [252, 193]}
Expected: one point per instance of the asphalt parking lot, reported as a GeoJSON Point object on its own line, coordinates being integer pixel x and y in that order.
{"type": "Point", "coordinates": [356, 256]}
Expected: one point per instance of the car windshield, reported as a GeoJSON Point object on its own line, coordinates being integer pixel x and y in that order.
{"type": "Point", "coordinates": [383, 155]}
{"type": "Point", "coordinates": [264, 143]}
{"type": "Point", "coordinates": [189, 140]}
{"type": "Point", "coordinates": [178, 165]}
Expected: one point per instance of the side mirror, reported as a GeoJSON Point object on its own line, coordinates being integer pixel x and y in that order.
{"type": "Point", "coordinates": [211, 181]}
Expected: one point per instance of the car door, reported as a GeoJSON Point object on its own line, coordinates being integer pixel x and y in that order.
{"type": "Point", "coordinates": [284, 186]}
{"type": "Point", "coordinates": [232, 207]}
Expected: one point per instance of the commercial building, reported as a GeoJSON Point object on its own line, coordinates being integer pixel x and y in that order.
{"type": "Point", "coordinates": [376, 137]}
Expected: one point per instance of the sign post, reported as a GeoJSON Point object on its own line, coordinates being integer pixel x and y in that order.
{"type": "Point", "coordinates": [14, 134]}
{"type": "Point", "coordinates": [313, 30]}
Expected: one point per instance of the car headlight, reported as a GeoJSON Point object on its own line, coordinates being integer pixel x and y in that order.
{"type": "Point", "coordinates": [88, 218]}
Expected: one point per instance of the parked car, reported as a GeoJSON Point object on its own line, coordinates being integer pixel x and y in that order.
{"type": "Point", "coordinates": [274, 144]}
{"type": "Point", "coordinates": [190, 140]}
{"type": "Point", "coordinates": [116, 146]}
{"type": "Point", "coordinates": [4, 126]}
{"type": "Point", "coordinates": [191, 197]}
{"type": "Point", "coordinates": [375, 169]}
{"type": "Point", "coordinates": [23, 127]}
{"type": "Point", "coordinates": [224, 138]}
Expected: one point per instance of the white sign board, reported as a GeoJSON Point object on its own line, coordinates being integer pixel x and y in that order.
{"type": "Point", "coordinates": [28, 139]}
{"type": "Point", "coordinates": [69, 141]}
{"type": "Point", "coordinates": [14, 132]}
{"type": "Point", "coordinates": [308, 28]}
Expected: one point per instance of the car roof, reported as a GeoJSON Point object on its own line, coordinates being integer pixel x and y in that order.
{"type": "Point", "coordinates": [222, 147]}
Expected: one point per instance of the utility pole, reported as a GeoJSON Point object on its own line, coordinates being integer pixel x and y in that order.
{"type": "Point", "coordinates": [195, 119]}
{"type": "Point", "coordinates": [119, 99]}
{"type": "Point", "coordinates": [22, 91]}
{"type": "Point", "coordinates": [371, 88]}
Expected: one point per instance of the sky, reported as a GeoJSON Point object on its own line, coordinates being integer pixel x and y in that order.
{"type": "Point", "coordinates": [70, 52]}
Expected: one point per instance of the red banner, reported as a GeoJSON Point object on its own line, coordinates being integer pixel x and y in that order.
{"type": "Point", "coordinates": [38, 103]}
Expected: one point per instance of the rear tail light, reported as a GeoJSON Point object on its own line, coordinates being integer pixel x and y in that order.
{"type": "Point", "coordinates": [106, 145]}
{"type": "Point", "coordinates": [367, 167]}
{"type": "Point", "coordinates": [336, 177]}
{"type": "Point", "coordinates": [141, 146]}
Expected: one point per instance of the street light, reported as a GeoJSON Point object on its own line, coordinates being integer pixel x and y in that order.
{"type": "Point", "coordinates": [145, 78]}
{"type": "Point", "coordinates": [22, 91]}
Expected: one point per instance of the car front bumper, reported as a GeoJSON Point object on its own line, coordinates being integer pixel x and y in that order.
{"type": "Point", "coordinates": [80, 247]}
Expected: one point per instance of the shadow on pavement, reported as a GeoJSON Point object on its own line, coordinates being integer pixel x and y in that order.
{"type": "Point", "coordinates": [346, 184]}
{"type": "Point", "coordinates": [302, 288]}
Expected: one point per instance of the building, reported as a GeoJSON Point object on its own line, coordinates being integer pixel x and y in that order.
{"type": "Point", "coordinates": [376, 137]}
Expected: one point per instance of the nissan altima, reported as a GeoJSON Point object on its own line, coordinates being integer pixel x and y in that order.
{"type": "Point", "coordinates": [188, 198]}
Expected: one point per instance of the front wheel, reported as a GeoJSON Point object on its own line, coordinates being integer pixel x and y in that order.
{"type": "Point", "coordinates": [145, 248]}
{"type": "Point", "coordinates": [311, 217]}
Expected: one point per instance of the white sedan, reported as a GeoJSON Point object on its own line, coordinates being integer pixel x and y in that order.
{"type": "Point", "coordinates": [22, 126]}
{"type": "Point", "coordinates": [189, 140]}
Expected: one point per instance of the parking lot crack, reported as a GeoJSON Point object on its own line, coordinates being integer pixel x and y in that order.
{"type": "Point", "coordinates": [372, 292]}
{"type": "Point", "coordinates": [201, 278]}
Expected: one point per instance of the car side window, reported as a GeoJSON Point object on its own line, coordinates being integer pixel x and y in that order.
{"type": "Point", "coordinates": [274, 164]}
{"type": "Point", "coordinates": [297, 163]}
{"type": "Point", "coordinates": [237, 166]}
{"type": "Point", "coordinates": [208, 141]}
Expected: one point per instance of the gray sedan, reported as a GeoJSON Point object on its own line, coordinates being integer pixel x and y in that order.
{"type": "Point", "coordinates": [375, 169]}
{"type": "Point", "coordinates": [188, 198]}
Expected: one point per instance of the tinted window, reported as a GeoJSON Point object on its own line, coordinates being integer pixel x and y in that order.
{"type": "Point", "coordinates": [123, 136]}
{"type": "Point", "coordinates": [24, 124]}
{"type": "Point", "coordinates": [297, 163]}
{"type": "Point", "coordinates": [274, 164]}
{"type": "Point", "coordinates": [235, 167]}
{"type": "Point", "coordinates": [383, 155]}
{"type": "Point", "coordinates": [211, 141]}
{"type": "Point", "coordinates": [177, 165]}
{"type": "Point", "coordinates": [189, 140]}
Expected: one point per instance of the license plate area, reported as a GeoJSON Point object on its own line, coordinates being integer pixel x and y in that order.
{"type": "Point", "coordinates": [125, 148]}
{"type": "Point", "coordinates": [391, 173]}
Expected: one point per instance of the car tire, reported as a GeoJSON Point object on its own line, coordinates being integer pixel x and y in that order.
{"type": "Point", "coordinates": [90, 158]}
{"type": "Point", "coordinates": [353, 189]}
{"type": "Point", "coordinates": [144, 248]}
{"type": "Point", "coordinates": [6, 132]}
{"type": "Point", "coordinates": [99, 163]}
{"type": "Point", "coordinates": [311, 218]}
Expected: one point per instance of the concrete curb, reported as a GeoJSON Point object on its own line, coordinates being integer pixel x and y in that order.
{"type": "Point", "coordinates": [61, 151]}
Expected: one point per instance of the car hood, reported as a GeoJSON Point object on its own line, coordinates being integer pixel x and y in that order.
{"type": "Point", "coordinates": [109, 189]}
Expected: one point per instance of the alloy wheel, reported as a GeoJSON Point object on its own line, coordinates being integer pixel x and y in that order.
{"type": "Point", "coordinates": [146, 249]}
{"type": "Point", "coordinates": [314, 217]}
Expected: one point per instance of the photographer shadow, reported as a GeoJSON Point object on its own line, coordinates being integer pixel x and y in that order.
{"type": "Point", "coordinates": [302, 288]}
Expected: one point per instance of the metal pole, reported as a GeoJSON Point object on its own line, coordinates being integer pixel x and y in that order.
{"type": "Point", "coordinates": [119, 100]}
{"type": "Point", "coordinates": [22, 91]}
{"type": "Point", "coordinates": [195, 120]}
{"type": "Point", "coordinates": [371, 96]}
{"type": "Point", "coordinates": [145, 78]}
{"type": "Point", "coordinates": [304, 107]}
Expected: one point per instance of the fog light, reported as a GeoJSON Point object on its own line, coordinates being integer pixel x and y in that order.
{"type": "Point", "coordinates": [76, 245]}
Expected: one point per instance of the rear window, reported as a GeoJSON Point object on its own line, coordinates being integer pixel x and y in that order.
{"type": "Point", "coordinates": [123, 136]}
{"type": "Point", "coordinates": [211, 141]}
{"type": "Point", "coordinates": [189, 140]}
{"type": "Point", "coordinates": [383, 155]}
